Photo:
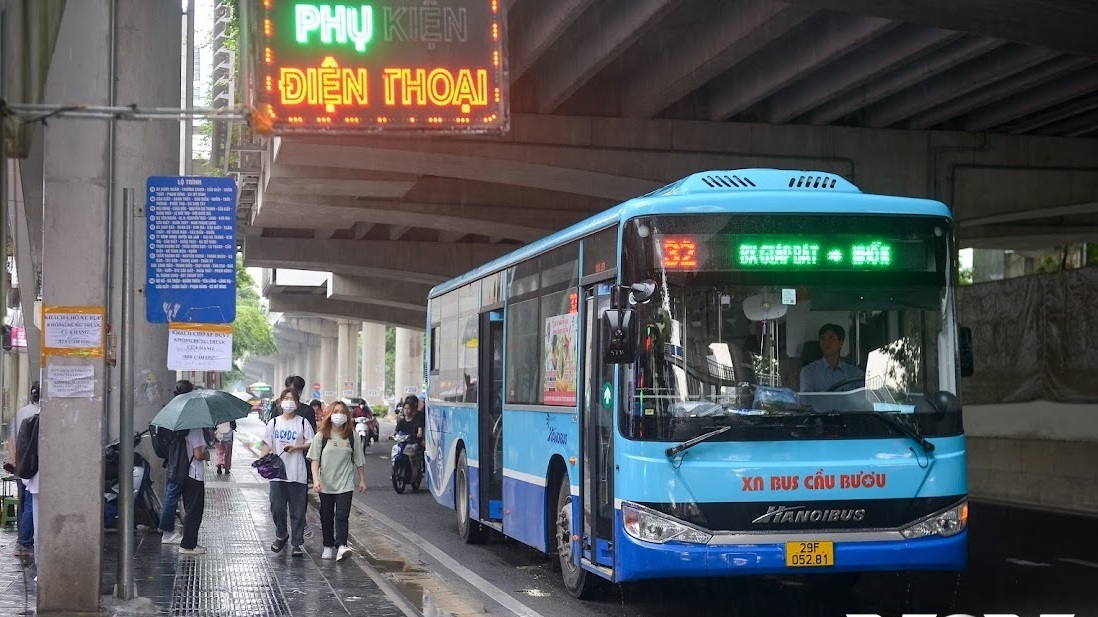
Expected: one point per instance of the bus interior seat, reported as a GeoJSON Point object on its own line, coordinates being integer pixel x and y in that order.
{"type": "Point", "coordinates": [810, 352]}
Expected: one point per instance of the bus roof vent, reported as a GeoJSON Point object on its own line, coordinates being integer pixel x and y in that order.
{"type": "Point", "coordinates": [757, 180]}
{"type": "Point", "coordinates": [817, 181]}
{"type": "Point", "coordinates": [731, 181]}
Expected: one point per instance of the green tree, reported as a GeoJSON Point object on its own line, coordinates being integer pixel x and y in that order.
{"type": "Point", "coordinates": [252, 333]}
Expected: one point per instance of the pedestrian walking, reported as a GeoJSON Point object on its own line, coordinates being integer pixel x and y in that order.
{"type": "Point", "coordinates": [289, 436]}
{"type": "Point", "coordinates": [336, 457]}
{"type": "Point", "coordinates": [224, 434]}
{"type": "Point", "coordinates": [194, 492]}
{"type": "Point", "coordinates": [172, 491]}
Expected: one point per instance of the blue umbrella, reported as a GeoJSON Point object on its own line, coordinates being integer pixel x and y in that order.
{"type": "Point", "coordinates": [201, 409]}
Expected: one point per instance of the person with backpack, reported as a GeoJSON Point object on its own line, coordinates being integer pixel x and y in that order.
{"type": "Point", "coordinates": [26, 544]}
{"type": "Point", "coordinates": [337, 457]}
{"type": "Point", "coordinates": [289, 437]}
{"type": "Point", "coordinates": [195, 453]}
{"type": "Point", "coordinates": [162, 441]}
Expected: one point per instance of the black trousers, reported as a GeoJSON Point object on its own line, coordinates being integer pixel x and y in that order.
{"type": "Point", "coordinates": [335, 510]}
{"type": "Point", "coordinates": [194, 501]}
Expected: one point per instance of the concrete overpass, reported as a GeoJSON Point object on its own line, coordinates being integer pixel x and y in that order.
{"type": "Point", "coordinates": [990, 106]}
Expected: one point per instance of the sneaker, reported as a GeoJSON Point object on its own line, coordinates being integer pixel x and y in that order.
{"type": "Point", "coordinates": [171, 537]}
{"type": "Point", "coordinates": [343, 553]}
{"type": "Point", "coordinates": [296, 551]}
{"type": "Point", "coordinates": [329, 553]}
{"type": "Point", "coordinates": [198, 550]}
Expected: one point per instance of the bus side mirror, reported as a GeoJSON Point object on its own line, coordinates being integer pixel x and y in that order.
{"type": "Point", "coordinates": [619, 336]}
{"type": "Point", "coordinates": [964, 338]}
{"type": "Point", "coordinates": [644, 291]}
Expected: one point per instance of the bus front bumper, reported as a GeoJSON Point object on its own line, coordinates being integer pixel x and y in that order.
{"type": "Point", "coordinates": [637, 560]}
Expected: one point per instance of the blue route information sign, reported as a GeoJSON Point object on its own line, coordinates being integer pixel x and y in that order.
{"type": "Point", "coordinates": [191, 241]}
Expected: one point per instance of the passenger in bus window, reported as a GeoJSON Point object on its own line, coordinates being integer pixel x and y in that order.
{"type": "Point", "coordinates": [829, 370]}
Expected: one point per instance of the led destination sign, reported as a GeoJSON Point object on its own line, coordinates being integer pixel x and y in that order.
{"type": "Point", "coordinates": [382, 65]}
{"type": "Point", "coordinates": [791, 253]}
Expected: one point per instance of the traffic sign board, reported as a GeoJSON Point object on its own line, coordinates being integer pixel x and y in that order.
{"type": "Point", "coordinates": [191, 249]}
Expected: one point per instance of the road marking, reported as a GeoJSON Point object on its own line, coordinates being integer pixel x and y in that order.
{"type": "Point", "coordinates": [450, 564]}
{"type": "Point", "coordinates": [1078, 562]}
{"type": "Point", "coordinates": [1023, 562]}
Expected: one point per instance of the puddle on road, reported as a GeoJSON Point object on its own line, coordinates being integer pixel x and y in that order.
{"type": "Point", "coordinates": [399, 564]}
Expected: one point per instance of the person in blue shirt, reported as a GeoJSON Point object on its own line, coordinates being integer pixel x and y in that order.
{"type": "Point", "coordinates": [829, 370]}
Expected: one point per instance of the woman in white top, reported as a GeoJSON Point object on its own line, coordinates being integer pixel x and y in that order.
{"type": "Point", "coordinates": [289, 436]}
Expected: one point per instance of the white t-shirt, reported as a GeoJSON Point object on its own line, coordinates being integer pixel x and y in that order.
{"type": "Point", "coordinates": [195, 439]}
{"type": "Point", "coordinates": [281, 433]}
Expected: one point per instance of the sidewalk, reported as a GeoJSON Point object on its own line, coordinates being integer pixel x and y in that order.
{"type": "Point", "coordinates": [239, 575]}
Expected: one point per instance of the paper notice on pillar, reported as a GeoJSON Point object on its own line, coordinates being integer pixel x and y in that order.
{"type": "Point", "coordinates": [200, 347]}
{"type": "Point", "coordinates": [73, 331]}
{"type": "Point", "coordinates": [70, 381]}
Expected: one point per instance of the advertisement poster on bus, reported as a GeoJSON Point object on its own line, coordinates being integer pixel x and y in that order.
{"type": "Point", "coordinates": [558, 383]}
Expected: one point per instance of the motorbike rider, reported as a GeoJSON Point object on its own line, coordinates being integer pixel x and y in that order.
{"type": "Point", "coordinates": [411, 424]}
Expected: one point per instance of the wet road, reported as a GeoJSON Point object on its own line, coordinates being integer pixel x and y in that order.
{"type": "Point", "coordinates": [1020, 562]}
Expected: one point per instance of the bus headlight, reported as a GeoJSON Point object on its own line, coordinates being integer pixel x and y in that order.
{"type": "Point", "coordinates": [948, 522]}
{"type": "Point", "coordinates": [651, 526]}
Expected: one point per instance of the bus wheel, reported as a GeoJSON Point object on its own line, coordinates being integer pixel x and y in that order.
{"type": "Point", "coordinates": [579, 582]}
{"type": "Point", "coordinates": [471, 532]}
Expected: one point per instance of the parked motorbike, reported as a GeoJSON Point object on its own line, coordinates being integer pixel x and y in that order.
{"type": "Point", "coordinates": [407, 464]}
{"type": "Point", "coordinates": [146, 504]}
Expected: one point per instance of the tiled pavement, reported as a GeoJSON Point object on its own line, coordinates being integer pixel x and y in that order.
{"type": "Point", "coordinates": [239, 575]}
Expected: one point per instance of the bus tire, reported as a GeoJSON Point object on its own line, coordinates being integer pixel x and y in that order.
{"type": "Point", "coordinates": [580, 583]}
{"type": "Point", "coordinates": [471, 531]}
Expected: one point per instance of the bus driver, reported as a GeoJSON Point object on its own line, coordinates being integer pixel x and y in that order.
{"type": "Point", "coordinates": [829, 370]}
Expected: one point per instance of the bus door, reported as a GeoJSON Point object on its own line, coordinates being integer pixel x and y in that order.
{"type": "Point", "coordinates": [597, 422]}
{"type": "Point", "coordinates": [490, 416]}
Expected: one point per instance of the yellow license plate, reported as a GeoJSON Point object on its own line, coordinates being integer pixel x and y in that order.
{"type": "Point", "coordinates": [809, 554]}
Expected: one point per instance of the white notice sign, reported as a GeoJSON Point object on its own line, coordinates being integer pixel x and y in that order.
{"type": "Point", "coordinates": [70, 381]}
{"type": "Point", "coordinates": [73, 330]}
{"type": "Point", "coordinates": [200, 347]}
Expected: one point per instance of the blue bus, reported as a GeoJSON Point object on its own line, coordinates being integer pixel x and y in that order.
{"type": "Point", "coordinates": [639, 394]}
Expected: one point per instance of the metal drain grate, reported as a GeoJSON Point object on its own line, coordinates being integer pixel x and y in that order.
{"type": "Point", "coordinates": [234, 577]}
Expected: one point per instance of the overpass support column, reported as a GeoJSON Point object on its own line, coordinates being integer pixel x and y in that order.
{"type": "Point", "coordinates": [347, 360]}
{"type": "Point", "coordinates": [329, 385]}
{"type": "Point", "coordinates": [409, 362]}
{"type": "Point", "coordinates": [312, 365]}
{"type": "Point", "coordinates": [78, 186]}
{"type": "Point", "coordinates": [373, 362]}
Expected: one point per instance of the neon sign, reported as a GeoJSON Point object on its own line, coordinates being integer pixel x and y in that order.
{"type": "Point", "coordinates": [381, 65]}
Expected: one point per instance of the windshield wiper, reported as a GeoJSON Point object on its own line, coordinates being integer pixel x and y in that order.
{"type": "Point", "coordinates": [690, 443]}
{"type": "Point", "coordinates": [904, 429]}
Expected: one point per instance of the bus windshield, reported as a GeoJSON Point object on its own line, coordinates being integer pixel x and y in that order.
{"type": "Point", "coordinates": [791, 328]}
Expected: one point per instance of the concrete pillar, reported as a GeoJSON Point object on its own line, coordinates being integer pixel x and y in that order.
{"type": "Point", "coordinates": [409, 362]}
{"type": "Point", "coordinates": [347, 361]}
{"type": "Point", "coordinates": [74, 270]}
{"type": "Point", "coordinates": [77, 189]}
{"type": "Point", "coordinates": [373, 362]}
{"type": "Point", "coordinates": [328, 376]}
{"type": "Point", "coordinates": [149, 41]}
{"type": "Point", "coordinates": [312, 362]}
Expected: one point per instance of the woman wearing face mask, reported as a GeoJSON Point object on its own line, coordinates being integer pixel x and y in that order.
{"type": "Point", "coordinates": [289, 436]}
{"type": "Point", "coordinates": [337, 458]}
